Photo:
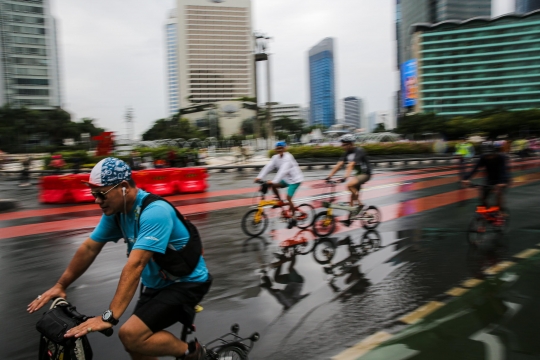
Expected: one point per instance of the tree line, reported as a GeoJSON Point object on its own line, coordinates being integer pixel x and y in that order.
{"type": "Point", "coordinates": [514, 124]}
{"type": "Point", "coordinates": [24, 130]}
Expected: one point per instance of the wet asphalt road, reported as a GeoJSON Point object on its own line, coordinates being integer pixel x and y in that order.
{"type": "Point", "coordinates": [306, 310]}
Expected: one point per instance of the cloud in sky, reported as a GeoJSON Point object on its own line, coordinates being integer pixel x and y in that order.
{"type": "Point", "coordinates": [113, 53]}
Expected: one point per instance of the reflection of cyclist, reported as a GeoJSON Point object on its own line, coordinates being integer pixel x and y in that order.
{"type": "Point", "coordinates": [356, 159]}
{"type": "Point", "coordinates": [294, 282]}
{"type": "Point", "coordinates": [288, 174]}
{"type": "Point", "coordinates": [153, 230]}
{"type": "Point", "coordinates": [497, 171]}
{"type": "Point", "coordinates": [349, 268]}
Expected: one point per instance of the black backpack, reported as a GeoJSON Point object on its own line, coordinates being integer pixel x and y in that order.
{"type": "Point", "coordinates": [54, 323]}
{"type": "Point", "coordinates": [175, 263]}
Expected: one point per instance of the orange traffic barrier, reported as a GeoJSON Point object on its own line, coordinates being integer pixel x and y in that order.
{"type": "Point", "coordinates": [159, 182]}
{"type": "Point", "coordinates": [191, 180]}
{"type": "Point", "coordinates": [80, 192]}
{"type": "Point", "coordinates": [54, 190]}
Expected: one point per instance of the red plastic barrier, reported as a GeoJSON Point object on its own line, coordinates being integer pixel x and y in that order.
{"type": "Point", "coordinates": [140, 178]}
{"type": "Point", "coordinates": [159, 182]}
{"type": "Point", "coordinates": [191, 180]}
{"type": "Point", "coordinates": [54, 189]}
{"type": "Point", "coordinates": [80, 192]}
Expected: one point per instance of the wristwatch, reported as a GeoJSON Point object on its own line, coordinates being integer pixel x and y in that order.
{"type": "Point", "coordinates": [108, 317]}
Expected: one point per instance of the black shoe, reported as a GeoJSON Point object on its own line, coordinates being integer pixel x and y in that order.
{"type": "Point", "coordinates": [195, 351]}
{"type": "Point", "coordinates": [347, 222]}
{"type": "Point", "coordinates": [292, 223]}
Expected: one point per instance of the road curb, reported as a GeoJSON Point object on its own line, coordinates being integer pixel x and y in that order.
{"type": "Point", "coordinates": [429, 317]}
{"type": "Point", "coordinates": [7, 204]}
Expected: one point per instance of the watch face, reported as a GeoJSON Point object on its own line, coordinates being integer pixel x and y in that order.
{"type": "Point", "coordinates": [107, 315]}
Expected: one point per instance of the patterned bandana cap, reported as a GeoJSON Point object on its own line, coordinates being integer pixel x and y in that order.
{"type": "Point", "coordinates": [109, 171]}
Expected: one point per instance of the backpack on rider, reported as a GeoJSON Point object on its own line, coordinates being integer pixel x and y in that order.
{"type": "Point", "coordinates": [54, 323]}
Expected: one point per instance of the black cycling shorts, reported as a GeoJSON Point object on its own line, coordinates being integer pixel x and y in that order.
{"type": "Point", "coordinates": [161, 308]}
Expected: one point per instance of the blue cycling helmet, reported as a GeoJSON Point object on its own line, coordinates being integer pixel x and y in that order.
{"type": "Point", "coordinates": [281, 144]}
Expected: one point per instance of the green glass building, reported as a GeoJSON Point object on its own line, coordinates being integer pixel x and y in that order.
{"type": "Point", "coordinates": [465, 67]}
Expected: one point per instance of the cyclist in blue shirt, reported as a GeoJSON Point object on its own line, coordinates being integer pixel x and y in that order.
{"type": "Point", "coordinates": [163, 297]}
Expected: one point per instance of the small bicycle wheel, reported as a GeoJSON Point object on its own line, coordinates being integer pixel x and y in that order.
{"type": "Point", "coordinates": [324, 224]}
{"type": "Point", "coordinates": [230, 353]}
{"type": "Point", "coordinates": [305, 214]}
{"type": "Point", "coordinates": [371, 218]}
{"type": "Point", "coordinates": [324, 251]}
{"type": "Point", "coordinates": [252, 226]}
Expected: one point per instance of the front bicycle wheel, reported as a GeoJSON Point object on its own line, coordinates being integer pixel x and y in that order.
{"type": "Point", "coordinates": [324, 224]}
{"type": "Point", "coordinates": [371, 218]}
{"type": "Point", "coordinates": [304, 214]}
{"type": "Point", "coordinates": [229, 353]}
{"type": "Point", "coordinates": [254, 223]}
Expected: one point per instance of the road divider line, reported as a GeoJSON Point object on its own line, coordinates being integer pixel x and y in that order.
{"type": "Point", "coordinates": [471, 283]}
{"type": "Point", "coordinates": [457, 291]}
{"type": "Point", "coordinates": [527, 253]}
{"type": "Point", "coordinates": [363, 347]}
{"type": "Point", "coordinates": [421, 312]}
{"type": "Point", "coordinates": [497, 268]}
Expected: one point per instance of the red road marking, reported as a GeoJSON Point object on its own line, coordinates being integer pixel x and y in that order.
{"type": "Point", "coordinates": [390, 212]}
{"type": "Point", "coordinates": [208, 195]}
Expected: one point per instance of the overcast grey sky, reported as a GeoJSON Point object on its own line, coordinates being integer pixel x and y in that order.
{"type": "Point", "coordinates": [113, 53]}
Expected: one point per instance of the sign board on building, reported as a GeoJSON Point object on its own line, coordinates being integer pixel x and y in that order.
{"type": "Point", "coordinates": [409, 83]}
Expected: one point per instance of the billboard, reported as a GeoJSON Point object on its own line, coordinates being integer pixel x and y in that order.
{"type": "Point", "coordinates": [409, 84]}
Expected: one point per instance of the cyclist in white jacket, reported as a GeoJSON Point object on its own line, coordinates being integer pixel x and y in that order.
{"type": "Point", "coordinates": [288, 174]}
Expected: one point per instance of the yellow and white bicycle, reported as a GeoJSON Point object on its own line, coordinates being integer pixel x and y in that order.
{"type": "Point", "coordinates": [255, 221]}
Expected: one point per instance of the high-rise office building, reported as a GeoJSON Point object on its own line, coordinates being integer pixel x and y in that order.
{"type": "Point", "coordinates": [409, 12]}
{"type": "Point", "coordinates": [492, 64]}
{"type": "Point", "coordinates": [322, 83]}
{"type": "Point", "coordinates": [525, 6]}
{"type": "Point", "coordinates": [171, 29]}
{"type": "Point", "coordinates": [354, 109]}
{"type": "Point", "coordinates": [214, 51]}
{"type": "Point", "coordinates": [29, 74]}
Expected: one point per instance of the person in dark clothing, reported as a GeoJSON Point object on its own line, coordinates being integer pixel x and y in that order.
{"type": "Point", "coordinates": [497, 171]}
{"type": "Point", "coordinates": [357, 161]}
{"type": "Point", "coordinates": [25, 174]}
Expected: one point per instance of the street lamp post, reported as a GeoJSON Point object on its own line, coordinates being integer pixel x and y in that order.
{"type": "Point", "coordinates": [261, 43]}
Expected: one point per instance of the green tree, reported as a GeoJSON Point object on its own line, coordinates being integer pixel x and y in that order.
{"type": "Point", "coordinates": [379, 128]}
{"type": "Point", "coordinates": [172, 128]}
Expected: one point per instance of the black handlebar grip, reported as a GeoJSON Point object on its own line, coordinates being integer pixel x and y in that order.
{"type": "Point", "coordinates": [107, 332]}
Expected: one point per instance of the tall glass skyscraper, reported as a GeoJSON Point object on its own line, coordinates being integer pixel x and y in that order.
{"type": "Point", "coordinates": [172, 63]}
{"type": "Point", "coordinates": [29, 70]}
{"type": "Point", "coordinates": [409, 12]}
{"type": "Point", "coordinates": [322, 83]}
{"type": "Point", "coordinates": [525, 6]}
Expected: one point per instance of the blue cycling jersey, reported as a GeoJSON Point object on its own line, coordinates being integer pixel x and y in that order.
{"type": "Point", "coordinates": [159, 228]}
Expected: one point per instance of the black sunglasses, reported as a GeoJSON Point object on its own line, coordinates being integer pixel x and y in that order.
{"type": "Point", "coordinates": [102, 195]}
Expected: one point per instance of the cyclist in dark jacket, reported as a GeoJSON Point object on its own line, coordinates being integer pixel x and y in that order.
{"type": "Point", "coordinates": [497, 170]}
{"type": "Point", "coordinates": [357, 161]}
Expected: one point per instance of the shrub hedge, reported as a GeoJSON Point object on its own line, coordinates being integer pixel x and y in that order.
{"type": "Point", "coordinates": [395, 148]}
